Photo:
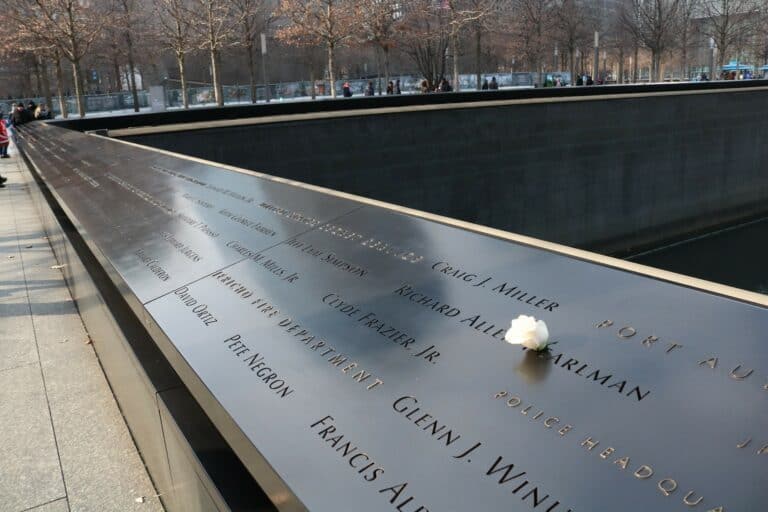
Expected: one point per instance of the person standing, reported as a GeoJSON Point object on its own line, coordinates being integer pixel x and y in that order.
{"type": "Point", "coordinates": [397, 87]}
{"type": "Point", "coordinates": [484, 86]}
{"type": "Point", "coordinates": [346, 90]}
{"type": "Point", "coordinates": [494, 85]}
{"type": "Point", "coordinates": [4, 141]}
{"type": "Point", "coordinates": [19, 116]}
{"type": "Point", "coordinates": [369, 89]}
{"type": "Point", "coordinates": [42, 112]}
{"type": "Point", "coordinates": [390, 88]}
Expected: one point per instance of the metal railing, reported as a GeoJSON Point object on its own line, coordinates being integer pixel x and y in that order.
{"type": "Point", "coordinates": [93, 102]}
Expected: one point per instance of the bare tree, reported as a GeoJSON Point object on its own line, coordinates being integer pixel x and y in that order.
{"type": "Point", "coordinates": [174, 23]}
{"type": "Point", "coordinates": [216, 23]}
{"type": "Point", "coordinates": [70, 26]}
{"type": "Point", "coordinates": [480, 16]}
{"type": "Point", "coordinates": [380, 19]}
{"type": "Point", "coordinates": [127, 21]}
{"type": "Point", "coordinates": [654, 24]}
{"type": "Point", "coordinates": [254, 17]}
{"type": "Point", "coordinates": [731, 23]}
{"type": "Point", "coordinates": [686, 32]}
{"type": "Point", "coordinates": [330, 23]}
{"type": "Point", "coordinates": [532, 23]}
{"type": "Point", "coordinates": [426, 34]}
{"type": "Point", "coordinates": [25, 43]}
{"type": "Point", "coordinates": [571, 23]}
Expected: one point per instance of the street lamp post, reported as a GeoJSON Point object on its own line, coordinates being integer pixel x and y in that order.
{"type": "Point", "coordinates": [264, 66]}
{"type": "Point", "coordinates": [578, 63]}
{"type": "Point", "coordinates": [596, 63]}
{"type": "Point", "coordinates": [554, 66]}
{"type": "Point", "coordinates": [605, 66]}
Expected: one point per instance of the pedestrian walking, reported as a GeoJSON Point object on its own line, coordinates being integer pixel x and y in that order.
{"type": "Point", "coordinates": [346, 90]}
{"type": "Point", "coordinates": [484, 86]}
{"type": "Point", "coordinates": [390, 88]}
{"type": "Point", "coordinates": [369, 89]}
{"type": "Point", "coordinates": [494, 85]}
{"type": "Point", "coordinates": [397, 87]}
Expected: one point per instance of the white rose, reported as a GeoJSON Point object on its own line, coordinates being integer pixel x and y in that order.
{"type": "Point", "coordinates": [528, 332]}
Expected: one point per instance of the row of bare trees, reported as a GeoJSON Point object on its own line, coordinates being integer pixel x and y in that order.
{"type": "Point", "coordinates": [437, 37]}
{"type": "Point", "coordinates": [432, 32]}
{"type": "Point", "coordinates": [69, 30]}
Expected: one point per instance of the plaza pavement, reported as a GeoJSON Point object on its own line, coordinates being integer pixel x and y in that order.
{"type": "Point", "coordinates": [64, 445]}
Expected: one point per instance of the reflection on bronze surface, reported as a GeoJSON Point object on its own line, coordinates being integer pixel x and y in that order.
{"type": "Point", "coordinates": [533, 368]}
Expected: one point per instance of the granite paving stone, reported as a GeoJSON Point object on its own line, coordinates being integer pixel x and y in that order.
{"type": "Point", "coordinates": [59, 505]}
{"type": "Point", "coordinates": [29, 462]}
{"type": "Point", "coordinates": [64, 444]}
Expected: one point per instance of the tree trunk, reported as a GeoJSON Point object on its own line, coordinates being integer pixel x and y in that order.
{"type": "Point", "coordinates": [378, 69]}
{"type": "Point", "coordinates": [182, 74]}
{"type": "Point", "coordinates": [77, 78]}
{"type": "Point", "coordinates": [385, 49]}
{"type": "Point", "coordinates": [455, 51]}
{"type": "Point", "coordinates": [635, 65]}
{"type": "Point", "coordinates": [132, 71]}
{"type": "Point", "coordinates": [312, 81]}
{"type": "Point", "coordinates": [46, 83]}
{"type": "Point", "coordinates": [116, 70]}
{"type": "Point", "coordinates": [60, 86]}
{"type": "Point", "coordinates": [331, 74]}
{"type": "Point", "coordinates": [720, 59]}
{"type": "Point", "coordinates": [27, 78]}
{"type": "Point", "coordinates": [251, 69]}
{"type": "Point", "coordinates": [621, 65]}
{"type": "Point", "coordinates": [38, 77]}
{"type": "Point", "coordinates": [218, 90]}
{"type": "Point", "coordinates": [572, 66]}
{"type": "Point", "coordinates": [655, 63]}
{"type": "Point", "coordinates": [478, 55]}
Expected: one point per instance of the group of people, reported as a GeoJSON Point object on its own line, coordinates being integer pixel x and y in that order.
{"type": "Point", "coordinates": [584, 80]}
{"type": "Point", "coordinates": [492, 86]}
{"type": "Point", "coordinates": [443, 85]}
{"type": "Point", "coordinates": [392, 88]}
{"type": "Point", "coordinates": [18, 115]}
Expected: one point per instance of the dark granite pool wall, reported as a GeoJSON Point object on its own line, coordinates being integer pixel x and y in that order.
{"type": "Point", "coordinates": [608, 174]}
